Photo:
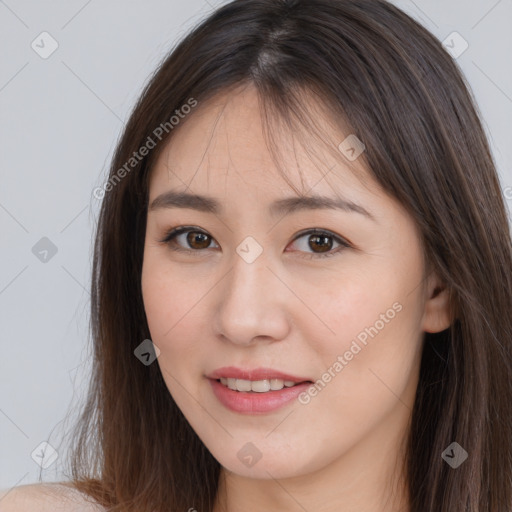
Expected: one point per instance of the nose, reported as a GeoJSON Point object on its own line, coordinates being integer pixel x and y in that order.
{"type": "Point", "coordinates": [252, 303]}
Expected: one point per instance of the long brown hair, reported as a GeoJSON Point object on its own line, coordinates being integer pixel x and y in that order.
{"type": "Point", "coordinates": [380, 72]}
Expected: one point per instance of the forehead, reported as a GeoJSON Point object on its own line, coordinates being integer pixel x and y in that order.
{"type": "Point", "coordinates": [223, 140]}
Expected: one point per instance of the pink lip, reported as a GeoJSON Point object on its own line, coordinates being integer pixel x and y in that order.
{"type": "Point", "coordinates": [252, 402]}
{"type": "Point", "coordinates": [254, 374]}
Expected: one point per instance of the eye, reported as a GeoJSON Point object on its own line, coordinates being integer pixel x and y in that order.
{"type": "Point", "coordinates": [196, 239]}
{"type": "Point", "coordinates": [320, 241]}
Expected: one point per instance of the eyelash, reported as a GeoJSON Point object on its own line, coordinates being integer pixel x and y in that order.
{"type": "Point", "coordinates": [170, 236]}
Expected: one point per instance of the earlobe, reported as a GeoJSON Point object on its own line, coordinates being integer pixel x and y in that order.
{"type": "Point", "coordinates": [437, 314]}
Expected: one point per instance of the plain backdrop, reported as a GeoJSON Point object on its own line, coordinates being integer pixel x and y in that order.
{"type": "Point", "coordinates": [60, 118]}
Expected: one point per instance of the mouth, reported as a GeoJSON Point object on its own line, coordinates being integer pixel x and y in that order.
{"type": "Point", "coordinates": [261, 396]}
{"type": "Point", "coordinates": [257, 390]}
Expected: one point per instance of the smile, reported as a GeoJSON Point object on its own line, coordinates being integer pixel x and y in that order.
{"type": "Point", "coordinates": [257, 386]}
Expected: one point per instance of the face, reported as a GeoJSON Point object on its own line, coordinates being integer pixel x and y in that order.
{"type": "Point", "coordinates": [332, 300]}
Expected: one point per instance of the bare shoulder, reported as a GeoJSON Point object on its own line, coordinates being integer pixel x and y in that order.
{"type": "Point", "coordinates": [47, 497]}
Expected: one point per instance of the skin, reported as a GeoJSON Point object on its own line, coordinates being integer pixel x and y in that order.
{"type": "Point", "coordinates": [343, 449]}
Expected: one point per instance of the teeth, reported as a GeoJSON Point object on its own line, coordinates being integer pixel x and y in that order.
{"type": "Point", "coordinates": [243, 385]}
{"type": "Point", "coordinates": [258, 386]}
{"type": "Point", "coordinates": [276, 384]}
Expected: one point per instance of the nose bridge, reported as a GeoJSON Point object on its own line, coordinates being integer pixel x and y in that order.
{"type": "Point", "coordinates": [251, 301]}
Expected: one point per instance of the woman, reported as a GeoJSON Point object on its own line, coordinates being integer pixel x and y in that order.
{"type": "Point", "coordinates": [301, 285]}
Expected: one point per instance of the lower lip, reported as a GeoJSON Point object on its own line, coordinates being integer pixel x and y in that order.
{"type": "Point", "coordinates": [253, 402]}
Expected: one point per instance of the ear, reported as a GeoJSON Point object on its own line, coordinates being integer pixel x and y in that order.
{"type": "Point", "coordinates": [437, 314]}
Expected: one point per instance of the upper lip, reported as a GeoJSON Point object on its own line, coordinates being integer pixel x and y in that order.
{"type": "Point", "coordinates": [253, 374]}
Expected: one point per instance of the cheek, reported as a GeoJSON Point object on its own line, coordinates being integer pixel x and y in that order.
{"type": "Point", "coordinates": [173, 304]}
{"type": "Point", "coordinates": [370, 340]}
{"type": "Point", "coordinates": [166, 302]}
{"type": "Point", "coordinates": [169, 295]}
{"type": "Point", "coordinates": [157, 297]}
{"type": "Point", "coordinates": [352, 305]}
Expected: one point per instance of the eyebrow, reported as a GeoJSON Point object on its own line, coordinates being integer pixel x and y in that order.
{"type": "Point", "coordinates": [173, 199]}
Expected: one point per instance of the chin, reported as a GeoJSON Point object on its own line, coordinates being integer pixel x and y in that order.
{"type": "Point", "coordinates": [267, 463]}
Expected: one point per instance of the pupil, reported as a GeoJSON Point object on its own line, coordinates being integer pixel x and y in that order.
{"type": "Point", "coordinates": [324, 240]}
{"type": "Point", "coordinates": [193, 237]}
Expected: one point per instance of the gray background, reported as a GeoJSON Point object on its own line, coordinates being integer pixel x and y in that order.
{"type": "Point", "coordinates": [60, 119]}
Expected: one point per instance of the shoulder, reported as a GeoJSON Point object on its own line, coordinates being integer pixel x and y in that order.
{"type": "Point", "coordinates": [47, 497]}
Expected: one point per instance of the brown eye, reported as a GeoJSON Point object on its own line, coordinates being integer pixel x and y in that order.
{"type": "Point", "coordinates": [321, 242]}
{"type": "Point", "coordinates": [198, 240]}
{"type": "Point", "coordinates": [192, 239]}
